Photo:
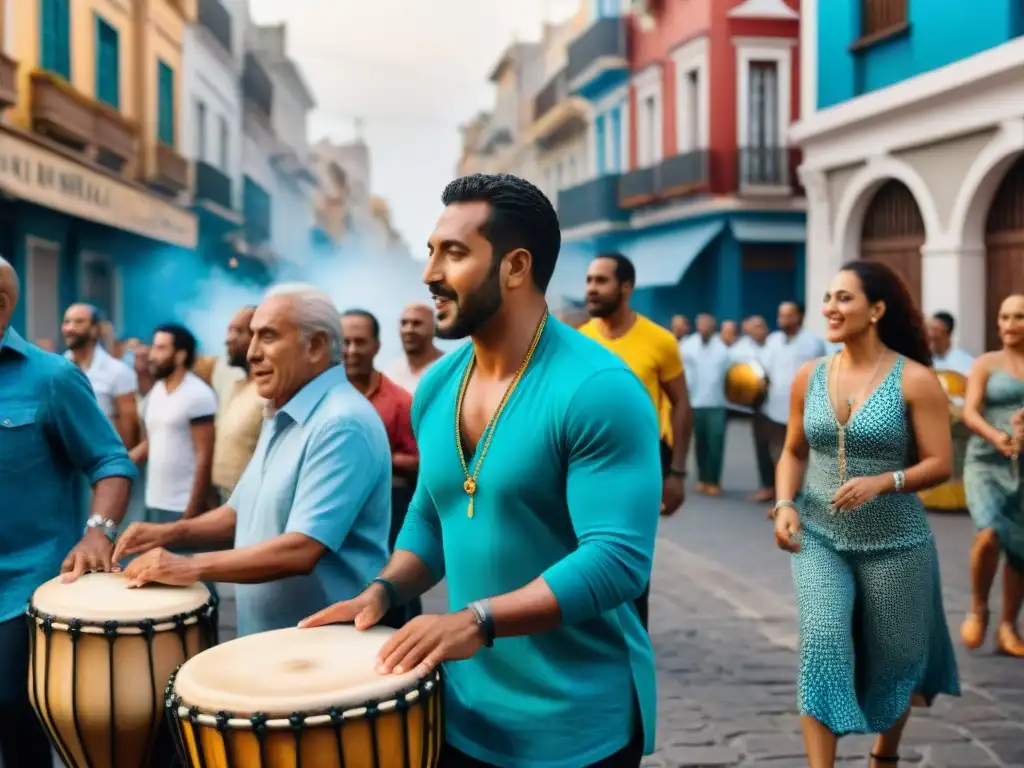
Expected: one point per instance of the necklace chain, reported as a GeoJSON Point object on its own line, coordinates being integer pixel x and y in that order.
{"type": "Point", "coordinates": [841, 426]}
{"type": "Point", "coordinates": [470, 484]}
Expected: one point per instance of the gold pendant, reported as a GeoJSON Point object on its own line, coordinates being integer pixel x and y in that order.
{"type": "Point", "coordinates": [470, 488]}
{"type": "Point", "coordinates": [841, 457]}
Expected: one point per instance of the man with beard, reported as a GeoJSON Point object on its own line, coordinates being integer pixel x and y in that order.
{"type": "Point", "coordinates": [416, 329]}
{"type": "Point", "coordinates": [112, 381]}
{"type": "Point", "coordinates": [361, 331]}
{"type": "Point", "coordinates": [51, 428]}
{"type": "Point", "coordinates": [240, 418]}
{"type": "Point", "coordinates": [537, 501]}
{"type": "Point", "coordinates": [179, 420]}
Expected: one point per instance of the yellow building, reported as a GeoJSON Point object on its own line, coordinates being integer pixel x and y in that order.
{"type": "Point", "coordinates": [94, 182]}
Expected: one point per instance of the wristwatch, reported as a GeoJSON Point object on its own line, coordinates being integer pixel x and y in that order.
{"type": "Point", "coordinates": [107, 526]}
{"type": "Point", "coordinates": [481, 610]}
{"type": "Point", "coordinates": [677, 472]}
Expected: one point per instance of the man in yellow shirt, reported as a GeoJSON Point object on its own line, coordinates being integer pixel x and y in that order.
{"type": "Point", "coordinates": [653, 355]}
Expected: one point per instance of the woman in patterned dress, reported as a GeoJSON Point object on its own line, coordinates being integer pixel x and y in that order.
{"type": "Point", "coordinates": [868, 428]}
{"type": "Point", "coordinates": [992, 481]}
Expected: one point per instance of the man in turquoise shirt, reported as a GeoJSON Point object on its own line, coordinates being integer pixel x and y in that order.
{"type": "Point", "coordinates": [542, 515]}
{"type": "Point", "coordinates": [309, 518]}
{"type": "Point", "coordinates": [52, 431]}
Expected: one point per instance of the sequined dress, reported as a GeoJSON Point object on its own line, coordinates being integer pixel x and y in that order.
{"type": "Point", "coordinates": [995, 495]}
{"type": "Point", "coordinates": [872, 627]}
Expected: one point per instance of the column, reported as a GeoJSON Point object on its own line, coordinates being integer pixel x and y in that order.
{"type": "Point", "coordinates": [953, 280]}
{"type": "Point", "coordinates": [821, 258]}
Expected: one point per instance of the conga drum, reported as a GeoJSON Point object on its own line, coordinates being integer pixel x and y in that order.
{"type": "Point", "coordinates": [950, 496]}
{"type": "Point", "coordinates": [746, 385]}
{"type": "Point", "coordinates": [304, 697]}
{"type": "Point", "coordinates": [101, 657]}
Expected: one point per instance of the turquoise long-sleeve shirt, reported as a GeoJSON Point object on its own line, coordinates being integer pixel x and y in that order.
{"type": "Point", "coordinates": [51, 428]}
{"type": "Point", "coordinates": [570, 490]}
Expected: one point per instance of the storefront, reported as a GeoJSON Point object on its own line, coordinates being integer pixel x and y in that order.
{"type": "Point", "coordinates": [75, 233]}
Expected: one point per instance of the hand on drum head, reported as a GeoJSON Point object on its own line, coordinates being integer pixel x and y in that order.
{"type": "Point", "coordinates": [158, 566]}
{"type": "Point", "coordinates": [93, 553]}
{"type": "Point", "coordinates": [140, 537]}
{"type": "Point", "coordinates": [427, 641]}
{"type": "Point", "coordinates": [365, 610]}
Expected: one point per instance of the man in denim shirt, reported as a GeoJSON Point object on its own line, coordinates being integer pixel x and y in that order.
{"type": "Point", "coordinates": [310, 515]}
{"type": "Point", "coordinates": [50, 427]}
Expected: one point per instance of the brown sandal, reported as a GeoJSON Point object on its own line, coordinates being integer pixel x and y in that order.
{"type": "Point", "coordinates": [1009, 641]}
{"type": "Point", "coordinates": [974, 630]}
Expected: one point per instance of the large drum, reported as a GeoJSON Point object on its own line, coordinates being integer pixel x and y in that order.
{"type": "Point", "coordinates": [950, 496]}
{"type": "Point", "coordinates": [304, 697]}
{"type": "Point", "coordinates": [746, 385]}
{"type": "Point", "coordinates": [102, 655]}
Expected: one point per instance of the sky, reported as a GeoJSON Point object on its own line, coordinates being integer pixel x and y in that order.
{"type": "Point", "coordinates": [412, 71]}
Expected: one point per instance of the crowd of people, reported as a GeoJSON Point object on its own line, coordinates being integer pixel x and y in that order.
{"type": "Point", "coordinates": [527, 468]}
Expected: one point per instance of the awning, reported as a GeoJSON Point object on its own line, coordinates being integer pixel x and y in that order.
{"type": "Point", "coordinates": [768, 231]}
{"type": "Point", "coordinates": [662, 258]}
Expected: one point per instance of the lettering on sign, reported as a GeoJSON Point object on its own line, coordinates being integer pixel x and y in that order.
{"type": "Point", "coordinates": [71, 184]}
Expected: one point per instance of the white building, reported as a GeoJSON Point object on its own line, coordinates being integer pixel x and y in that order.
{"type": "Point", "coordinates": [214, 49]}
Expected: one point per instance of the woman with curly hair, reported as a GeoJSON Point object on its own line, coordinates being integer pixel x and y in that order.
{"type": "Point", "coordinates": [868, 428]}
{"type": "Point", "coordinates": [992, 480]}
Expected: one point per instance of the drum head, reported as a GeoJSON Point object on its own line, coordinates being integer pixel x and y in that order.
{"type": "Point", "coordinates": [954, 383]}
{"type": "Point", "coordinates": [99, 597]}
{"type": "Point", "coordinates": [290, 670]}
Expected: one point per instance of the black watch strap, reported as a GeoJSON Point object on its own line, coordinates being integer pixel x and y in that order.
{"type": "Point", "coordinates": [677, 472]}
{"type": "Point", "coordinates": [481, 610]}
{"type": "Point", "coordinates": [389, 588]}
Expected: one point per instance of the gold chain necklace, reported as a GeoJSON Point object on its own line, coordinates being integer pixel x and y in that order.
{"type": "Point", "coordinates": [470, 484]}
{"type": "Point", "coordinates": [841, 426]}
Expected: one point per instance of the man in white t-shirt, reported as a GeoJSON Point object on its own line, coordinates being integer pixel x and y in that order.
{"type": "Point", "coordinates": [179, 418]}
{"type": "Point", "coordinates": [112, 381]}
{"type": "Point", "coordinates": [417, 331]}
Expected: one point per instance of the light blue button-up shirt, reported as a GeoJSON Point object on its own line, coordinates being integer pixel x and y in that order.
{"type": "Point", "coordinates": [955, 359]}
{"type": "Point", "coordinates": [51, 428]}
{"type": "Point", "coordinates": [783, 357]}
{"type": "Point", "coordinates": [322, 468]}
{"type": "Point", "coordinates": [706, 364]}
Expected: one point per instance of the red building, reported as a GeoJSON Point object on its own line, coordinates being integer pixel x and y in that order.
{"type": "Point", "coordinates": [707, 205]}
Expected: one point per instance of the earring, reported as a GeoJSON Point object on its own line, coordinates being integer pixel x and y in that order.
{"type": "Point", "coordinates": [874, 319]}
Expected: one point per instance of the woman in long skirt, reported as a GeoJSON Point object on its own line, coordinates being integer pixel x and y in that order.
{"type": "Point", "coordinates": [992, 481]}
{"type": "Point", "coordinates": [868, 429]}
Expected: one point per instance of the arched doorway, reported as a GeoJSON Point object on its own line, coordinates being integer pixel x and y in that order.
{"type": "Point", "coordinates": [1004, 248]}
{"type": "Point", "coordinates": [893, 232]}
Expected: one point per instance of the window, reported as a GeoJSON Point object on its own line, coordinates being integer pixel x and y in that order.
{"type": "Point", "coordinates": [691, 117]}
{"type": "Point", "coordinates": [600, 149]}
{"type": "Point", "coordinates": [108, 64]}
{"type": "Point", "coordinates": [615, 137]}
{"type": "Point", "coordinates": [165, 104]}
{"type": "Point", "coordinates": [649, 115]}
{"type": "Point", "coordinates": [223, 153]}
{"type": "Point", "coordinates": [763, 98]}
{"type": "Point", "coordinates": [881, 16]}
{"type": "Point", "coordinates": [200, 131]}
{"type": "Point", "coordinates": [99, 283]}
{"type": "Point", "coordinates": [55, 37]}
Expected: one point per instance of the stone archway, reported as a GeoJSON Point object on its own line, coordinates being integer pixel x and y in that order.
{"type": "Point", "coordinates": [1004, 247]}
{"type": "Point", "coordinates": [894, 232]}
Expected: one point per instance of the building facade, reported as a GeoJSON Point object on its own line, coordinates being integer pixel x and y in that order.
{"type": "Point", "coordinates": [95, 184]}
{"type": "Point", "coordinates": [913, 150]}
{"type": "Point", "coordinates": [690, 172]}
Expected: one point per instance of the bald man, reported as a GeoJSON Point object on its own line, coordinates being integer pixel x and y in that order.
{"type": "Point", "coordinates": [51, 430]}
{"type": "Point", "coordinates": [416, 329]}
{"type": "Point", "coordinates": [240, 417]}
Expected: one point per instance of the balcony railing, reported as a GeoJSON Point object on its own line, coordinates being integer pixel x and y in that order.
{"type": "Point", "coordinates": [683, 174]}
{"type": "Point", "coordinates": [592, 202]}
{"type": "Point", "coordinates": [606, 38]}
{"type": "Point", "coordinates": [213, 185]}
{"type": "Point", "coordinates": [765, 167]}
{"type": "Point", "coordinates": [553, 94]}
{"type": "Point", "coordinates": [257, 88]}
{"type": "Point", "coordinates": [216, 18]}
{"type": "Point", "coordinates": [169, 172]}
{"type": "Point", "coordinates": [8, 81]}
{"type": "Point", "coordinates": [638, 187]}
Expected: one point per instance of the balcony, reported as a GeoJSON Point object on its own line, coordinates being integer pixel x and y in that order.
{"type": "Point", "coordinates": [217, 20]}
{"type": "Point", "coordinates": [593, 202]}
{"type": "Point", "coordinates": [558, 115]}
{"type": "Point", "coordinates": [638, 187]}
{"type": "Point", "coordinates": [213, 186]}
{"type": "Point", "coordinates": [766, 170]}
{"type": "Point", "coordinates": [256, 207]}
{"type": "Point", "coordinates": [287, 163]}
{"type": "Point", "coordinates": [169, 172]}
{"type": "Point", "coordinates": [684, 174]}
{"type": "Point", "coordinates": [555, 92]}
{"type": "Point", "coordinates": [60, 112]}
{"type": "Point", "coordinates": [257, 89]}
{"type": "Point", "coordinates": [8, 82]}
{"type": "Point", "coordinates": [116, 139]}
{"type": "Point", "coordinates": [599, 58]}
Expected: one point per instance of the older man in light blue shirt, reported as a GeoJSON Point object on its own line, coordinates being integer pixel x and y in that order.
{"type": "Point", "coordinates": [706, 360]}
{"type": "Point", "coordinates": [309, 518]}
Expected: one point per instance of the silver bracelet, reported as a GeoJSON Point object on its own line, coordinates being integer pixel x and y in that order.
{"type": "Point", "coordinates": [781, 504]}
{"type": "Point", "coordinates": [899, 479]}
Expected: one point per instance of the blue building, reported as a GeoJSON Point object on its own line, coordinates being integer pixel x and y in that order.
{"type": "Point", "coordinates": [690, 172]}
{"type": "Point", "coordinates": [912, 134]}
